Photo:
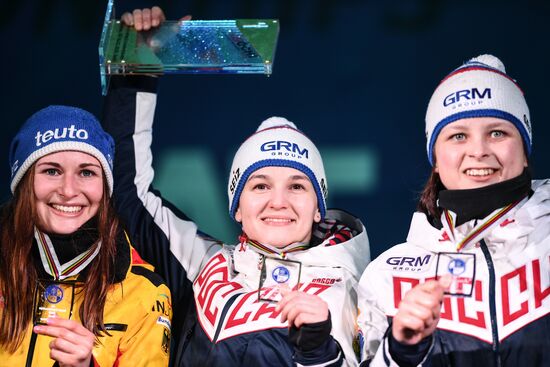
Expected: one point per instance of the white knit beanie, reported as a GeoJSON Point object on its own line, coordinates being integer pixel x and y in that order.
{"type": "Point", "coordinates": [277, 142]}
{"type": "Point", "coordinates": [479, 88]}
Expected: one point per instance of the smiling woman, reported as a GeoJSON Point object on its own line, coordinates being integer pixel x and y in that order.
{"type": "Point", "coordinates": [68, 187]}
{"type": "Point", "coordinates": [278, 206]}
{"type": "Point", "coordinates": [479, 291]}
{"type": "Point", "coordinates": [285, 293]}
{"type": "Point", "coordinates": [61, 239]}
{"type": "Point", "coordinates": [477, 152]}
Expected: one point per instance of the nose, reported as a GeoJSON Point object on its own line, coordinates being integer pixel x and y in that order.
{"type": "Point", "coordinates": [478, 147]}
{"type": "Point", "coordinates": [68, 186]}
{"type": "Point", "coordinates": [278, 198]}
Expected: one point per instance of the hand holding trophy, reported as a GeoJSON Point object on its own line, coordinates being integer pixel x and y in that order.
{"type": "Point", "coordinates": [184, 46]}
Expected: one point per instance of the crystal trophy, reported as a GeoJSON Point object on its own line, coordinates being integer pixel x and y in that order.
{"type": "Point", "coordinates": [241, 46]}
{"type": "Point", "coordinates": [277, 274]}
{"type": "Point", "coordinates": [53, 299]}
{"type": "Point", "coordinates": [462, 269]}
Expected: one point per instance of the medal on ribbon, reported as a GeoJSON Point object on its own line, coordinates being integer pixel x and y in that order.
{"type": "Point", "coordinates": [277, 274]}
{"type": "Point", "coordinates": [53, 299]}
{"type": "Point", "coordinates": [461, 267]}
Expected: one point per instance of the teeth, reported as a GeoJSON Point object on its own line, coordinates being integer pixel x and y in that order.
{"type": "Point", "coordinates": [480, 172]}
{"type": "Point", "coordinates": [277, 220]}
{"type": "Point", "coordinates": [67, 209]}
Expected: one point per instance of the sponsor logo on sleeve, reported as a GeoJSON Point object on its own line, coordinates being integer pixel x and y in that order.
{"type": "Point", "coordinates": [163, 306]}
{"type": "Point", "coordinates": [164, 321]}
{"type": "Point", "coordinates": [411, 264]}
{"type": "Point", "coordinates": [165, 346]}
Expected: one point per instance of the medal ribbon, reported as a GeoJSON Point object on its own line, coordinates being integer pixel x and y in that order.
{"type": "Point", "coordinates": [448, 218]}
{"type": "Point", "coordinates": [269, 251]}
{"type": "Point", "coordinates": [51, 262]}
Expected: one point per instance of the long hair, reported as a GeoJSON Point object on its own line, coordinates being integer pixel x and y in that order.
{"type": "Point", "coordinates": [18, 269]}
{"type": "Point", "coordinates": [18, 274]}
{"type": "Point", "coordinates": [427, 203]}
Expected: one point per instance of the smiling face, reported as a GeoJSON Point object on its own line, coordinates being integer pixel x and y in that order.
{"type": "Point", "coordinates": [476, 152]}
{"type": "Point", "coordinates": [278, 206]}
{"type": "Point", "coordinates": [68, 188]}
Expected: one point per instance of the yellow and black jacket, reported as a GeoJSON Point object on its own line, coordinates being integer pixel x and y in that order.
{"type": "Point", "coordinates": [137, 315]}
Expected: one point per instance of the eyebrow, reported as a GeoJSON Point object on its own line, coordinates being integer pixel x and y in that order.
{"type": "Point", "coordinates": [299, 177]}
{"type": "Point", "coordinates": [455, 126]}
{"type": "Point", "coordinates": [82, 165]}
{"type": "Point", "coordinates": [265, 177]}
{"type": "Point", "coordinates": [489, 125]}
{"type": "Point", "coordinates": [494, 124]}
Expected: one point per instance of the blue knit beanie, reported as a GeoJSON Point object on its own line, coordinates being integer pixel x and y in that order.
{"type": "Point", "coordinates": [60, 128]}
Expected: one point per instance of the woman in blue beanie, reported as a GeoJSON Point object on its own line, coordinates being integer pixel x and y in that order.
{"type": "Point", "coordinates": [72, 290]}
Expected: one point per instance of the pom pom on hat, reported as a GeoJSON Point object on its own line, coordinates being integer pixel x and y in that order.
{"type": "Point", "coordinates": [276, 122]}
{"type": "Point", "coordinates": [277, 143]}
{"type": "Point", "coordinates": [487, 60]}
{"type": "Point", "coordinates": [479, 88]}
{"type": "Point", "coordinates": [60, 128]}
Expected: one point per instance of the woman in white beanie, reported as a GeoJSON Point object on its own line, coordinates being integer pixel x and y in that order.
{"type": "Point", "coordinates": [285, 294]}
{"type": "Point", "coordinates": [73, 292]}
{"type": "Point", "coordinates": [471, 285]}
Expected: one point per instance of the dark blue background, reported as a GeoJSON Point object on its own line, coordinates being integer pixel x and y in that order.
{"type": "Point", "coordinates": [348, 72]}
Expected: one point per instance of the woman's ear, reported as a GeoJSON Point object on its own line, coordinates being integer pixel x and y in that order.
{"type": "Point", "coordinates": [238, 216]}
{"type": "Point", "coordinates": [317, 216]}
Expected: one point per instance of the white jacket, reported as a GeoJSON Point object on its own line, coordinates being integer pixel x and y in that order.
{"type": "Point", "coordinates": [215, 284]}
{"type": "Point", "coordinates": [518, 254]}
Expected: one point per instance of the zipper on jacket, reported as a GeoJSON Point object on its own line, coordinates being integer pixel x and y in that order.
{"type": "Point", "coordinates": [30, 352]}
{"type": "Point", "coordinates": [492, 302]}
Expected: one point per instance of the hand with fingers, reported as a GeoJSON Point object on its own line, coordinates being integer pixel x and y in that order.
{"type": "Point", "coordinates": [72, 344]}
{"type": "Point", "coordinates": [145, 19]}
{"type": "Point", "coordinates": [308, 319]}
{"type": "Point", "coordinates": [419, 311]}
{"type": "Point", "coordinates": [300, 308]}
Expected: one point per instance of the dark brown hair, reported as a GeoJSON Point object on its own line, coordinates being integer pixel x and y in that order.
{"type": "Point", "coordinates": [427, 203]}
{"type": "Point", "coordinates": [18, 269]}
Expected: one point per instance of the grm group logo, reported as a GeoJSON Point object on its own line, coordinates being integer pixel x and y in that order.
{"type": "Point", "coordinates": [408, 263]}
{"type": "Point", "coordinates": [466, 95]}
{"type": "Point", "coordinates": [284, 148]}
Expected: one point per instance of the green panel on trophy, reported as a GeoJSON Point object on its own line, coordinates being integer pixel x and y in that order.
{"type": "Point", "coordinates": [194, 46]}
{"type": "Point", "coordinates": [262, 34]}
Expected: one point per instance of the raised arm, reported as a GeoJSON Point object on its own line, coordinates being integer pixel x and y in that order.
{"type": "Point", "coordinates": [162, 234]}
